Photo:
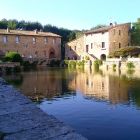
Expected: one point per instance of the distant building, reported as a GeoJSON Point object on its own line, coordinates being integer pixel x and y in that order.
{"type": "Point", "coordinates": [99, 43]}
{"type": "Point", "coordinates": [31, 44]}
{"type": "Point", "coordinates": [75, 49]}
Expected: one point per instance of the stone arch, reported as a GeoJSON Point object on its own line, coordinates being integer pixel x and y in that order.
{"type": "Point", "coordinates": [103, 57]}
{"type": "Point", "coordinates": [52, 53]}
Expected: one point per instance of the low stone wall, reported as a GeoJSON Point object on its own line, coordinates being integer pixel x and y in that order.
{"type": "Point", "coordinates": [121, 63]}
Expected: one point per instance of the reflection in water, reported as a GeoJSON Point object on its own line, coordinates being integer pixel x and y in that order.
{"type": "Point", "coordinates": [92, 84]}
{"type": "Point", "coordinates": [100, 105]}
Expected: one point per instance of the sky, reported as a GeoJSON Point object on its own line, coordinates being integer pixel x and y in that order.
{"type": "Point", "coordinates": [71, 14]}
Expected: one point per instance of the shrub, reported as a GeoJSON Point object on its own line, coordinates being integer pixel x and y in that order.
{"type": "Point", "coordinates": [114, 66]}
{"type": "Point", "coordinates": [130, 65]}
{"type": "Point", "coordinates": [72, 63]}
{"type": "Point", "coordinates": [87, 58]}
{"type": "Point", "coordinates": [54, 63]}
{"type": "Point", "coordinates": [26, 63]}
{"type": "Point", "coordinates": [66, 62]}
{"type": "Point", "coordinates": [13, 57]}
{"type": "Point", "coordinates": [99, 62]}
{"type": "Point", "coordinates": [96, 65]}
{"type": "Point", "coordinates": [81, 63]}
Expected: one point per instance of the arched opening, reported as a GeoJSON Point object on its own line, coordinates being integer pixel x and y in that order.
{"type": "Point", "coordinates": [103, 57]}
{"type": "Point", "coordinates": [51, 53]}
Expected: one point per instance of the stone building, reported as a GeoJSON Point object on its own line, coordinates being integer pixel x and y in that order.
{"type": "Point", "coordinates": [99, 43]}
{"type": "Point", "coordinates": [31, 44]}
{"type": "Point", "coordinates": [75, 49]}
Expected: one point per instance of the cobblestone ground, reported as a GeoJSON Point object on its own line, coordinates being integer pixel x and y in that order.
{"type": "Point", "coordinates": [20, 119]}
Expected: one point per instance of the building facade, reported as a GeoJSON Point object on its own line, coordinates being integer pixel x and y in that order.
{"type": "Point", "coordinates": [31, 44]}
{"type": "Point", "coordinates": [75, 49]}
{"type": "Point", "coordinates": [99, 43]}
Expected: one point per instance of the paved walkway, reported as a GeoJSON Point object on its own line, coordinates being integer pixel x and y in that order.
{"type": "Point", "coordinates": [20, 119]}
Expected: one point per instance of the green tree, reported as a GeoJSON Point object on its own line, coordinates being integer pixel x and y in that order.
{"type": "Point", "coordinates": [98, 26]}
{"type": "Point", "coordinates": [72, 36]}
{"type": "Point", "coordinates": [13, 57]}
{"type": "Point", "coordinates": [12, 24]}
{"type": "Point", "coordinates": [135, 33]}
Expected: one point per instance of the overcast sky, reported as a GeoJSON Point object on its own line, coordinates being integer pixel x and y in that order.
{"type": "Point", "coordinates": [71, 14]}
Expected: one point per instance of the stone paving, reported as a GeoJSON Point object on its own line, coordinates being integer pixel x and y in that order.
{"type": "Point", "coordinates": [20, 119]}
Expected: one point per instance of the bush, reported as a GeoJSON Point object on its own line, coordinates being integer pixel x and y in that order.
{"type": "Point", "coordinates": [26, 63]}
{"type": "Point", "coordinates": [81, 63]}
{"type": "Point", "coordinates": [114, 66]}
{"type": "Point", "coordinates": [87, 58]}
{"type": "Point", "coordinates": [130, 65]}
{"type": "Point", "coordinates": [99, 62]}
{"type": "Point", "coordinates": [72, 63]}
{"type": "Point", "coordinates": [13, 57]}
{"type": "Point", "coordinates": [54, 63]}
{"type": "Point", "coordinates": [66, 62]}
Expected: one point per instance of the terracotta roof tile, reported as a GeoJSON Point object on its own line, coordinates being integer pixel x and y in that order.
{"type": "Point", "coordinates": [104, 29]}
{"type": "Point", "coordinates": [28, 33]}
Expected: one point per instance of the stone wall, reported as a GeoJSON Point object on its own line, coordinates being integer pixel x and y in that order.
{"type": "Point", "coordinates": [121, 64]}
{"type": "Point", "coordinates": [119, 37]}
{"type": "Point", "coordinates": [94, 41]}
{"type": "Point", "coordinates": [28, 49]}
{"type": "Point", "coordinates": [75, 49]}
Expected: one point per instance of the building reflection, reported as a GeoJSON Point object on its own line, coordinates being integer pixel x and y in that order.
{"type": "Point", "coordinates": [101, 87]}
{"type": "Point", "coordinates": [51, 84]}
{"type": "Point", "coordinates": [42, 84]}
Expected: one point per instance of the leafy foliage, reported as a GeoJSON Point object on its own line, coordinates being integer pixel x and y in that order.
{"type": "Point", "coordinates": [135, 33]}
{"type": "Point", "coordinates": [67, 35]}
{"type": "Point", "coordinates": [13, 57]}
{"type": "Point", "coordinates": [98, 26]}
{"type": "Point", "coordinates": [124, 52]}
{"type": "Point", "coordinates": [130, 65]}
{"type": "Point", "coordinates": [87, 57]}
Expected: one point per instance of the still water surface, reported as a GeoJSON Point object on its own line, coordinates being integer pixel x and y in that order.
{"type": "Point", "coordinates": [100, 106]}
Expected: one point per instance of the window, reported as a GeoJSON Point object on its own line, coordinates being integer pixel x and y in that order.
{"type": "Point", "coordinates": [119, 45]}
{"type": "Point", "coordinates": [91, 45]}
{"type": "Point", "coordinates": [54, 41]}
{"type": "Point", "coordinates": [26, 45]}
{"type": "Point", "coordinates": [86, 48]}
{"type": "Point", "coordinates": [103, 44]}
{"type": "Point", "coordinates": [34, 40]}
{"type": "Point", "coordinates": [17, 39]}
{"type": "Point", "coordinates": [75, 48]}
{"type": "Point", "coordinates": [46, 40]}
{"type": "Point", "coordinates": [5, 39]}
{"type": "Point", "coordinates": [119, 32]}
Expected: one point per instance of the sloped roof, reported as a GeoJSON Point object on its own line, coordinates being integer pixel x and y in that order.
{"type": "Point", "coordinates": [28, 33]}
{"type": "Point", "coordinates": [104, 29]}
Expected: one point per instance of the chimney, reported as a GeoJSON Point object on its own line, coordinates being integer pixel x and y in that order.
{"type": "Point", "coordinates": [36, 31]}
{"type": "Point", "coordinates": [8, 30]}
